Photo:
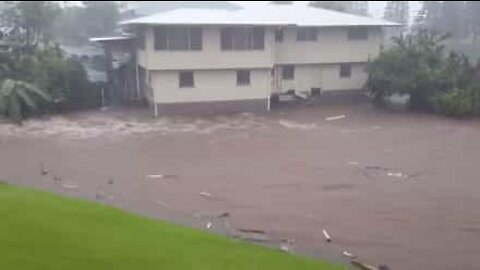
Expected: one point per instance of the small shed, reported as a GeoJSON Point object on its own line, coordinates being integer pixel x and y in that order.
{"type": "Point", "coordinates": [122, 68]}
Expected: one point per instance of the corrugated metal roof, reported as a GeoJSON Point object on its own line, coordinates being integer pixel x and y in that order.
{"type": "Point", "coordinates": [300, 15]}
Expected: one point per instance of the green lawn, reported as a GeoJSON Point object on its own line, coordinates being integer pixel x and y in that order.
{"type": "Point", "coordinates": [39, 230]}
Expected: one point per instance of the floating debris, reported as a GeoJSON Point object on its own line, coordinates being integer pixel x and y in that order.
{"type": "Point", "coordinates": [252, 231]}
{"type": "Point", "coordinates": [294, 125]}
{"type": "Point", "coordinates": [160, 176]}
{"type": "Point", "coordinates": [224, 215]}
{"type": "Point", "coordinates": [377, 168]}
{"type": "Point", "coordinates": [99, 196]}
{"type": "Point", "coordinates": [353, 163]}
{"type": "Point", "coordinates": [253, 235]}
{"type": "Point", "coordinates": [348, 254]}
{"type": "Point", "coordinates": [57, 178]}
{"type": "Point", "coordinates": [363, 266]}
{"type": "Point", "coordinates": [110, 181]}
{"type": "Point", "coordinates": [205, 194]}
{"type": "Point", "coordinates": [396, 174]}
{"type": "Point", "coordinates": [284, 247]}
{"type": "Point", "coordinates": [43, 171]}
{"type": "Point", "coordinates": [327, 236]}
{"type": "Point", "coordinates": [164, 204]}
{"type": "Point", "coordinates": [209, 225]}
{"type": "Point", "coordinates": [70, 186]}
{"type": "Point", "coordinates": [334, 118]}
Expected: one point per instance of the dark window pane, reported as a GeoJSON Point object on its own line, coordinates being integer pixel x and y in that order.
{"type": "Point", "coordinates": [241, 38]}
{"type": "Point", "coordinates": [258, 38]}
{"type": "Point", "coordinates": [185, 79]}
{"type": "Point", "coordinates": [243, 77]}
{"type": "Point", "coordinates": [279, 34]}
{"type": "Point", "coordinates": [357, 33]}
{"type": "Point", "coordinates": [226, 38]}
{"type": "Point", "coordinates": [345, 70]}
{"type": "Point", "coordinates": [141, 38]}
{"type": "Point", "coordinates": [301, 34]}
{"type": "Point", "coordinates": [196, 38]}
{"type": "Point", "coordinates": [306, 34]}
{"type": "Point", "coordinates": [178, 38]}
{"type": "Point", "coordinates": [288, 72]}
{"type": "Point", "coordinates": [312, 34]}
{"type": "Point", "coordinates": [160, 38]}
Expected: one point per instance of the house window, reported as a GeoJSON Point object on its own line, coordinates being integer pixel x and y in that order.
{"type": "Point", "coordinates": [178, 38]}
{"type": "Point", "coordinates": [279, 34]}
{"type": "Point", "coordinates": [288, 72]}
{"type": "Point", "coordinates": [243, 77]}
{"type": "Point", "coordinates": [185, 79]}
{"type": "Point", "coordinates": [345, 70]}
{"type": "Point", "coordinates": [140, 39]}
{"type": "Point", "coordinates": [358, 33]}
{"type": "Point", "coordinates": [306, 33]}
{"type": "Point", "coordinates": [242, 38]}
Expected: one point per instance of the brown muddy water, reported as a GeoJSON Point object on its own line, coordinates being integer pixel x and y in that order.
{"type": "Point", "coordinates": [392, 188]}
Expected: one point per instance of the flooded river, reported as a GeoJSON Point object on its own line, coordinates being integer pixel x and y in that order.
{"type": "Point", "coordinates": [392, 188]}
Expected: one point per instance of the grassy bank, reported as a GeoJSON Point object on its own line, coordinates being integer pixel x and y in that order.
{"type": "Point", "coordinates": [39, 230]}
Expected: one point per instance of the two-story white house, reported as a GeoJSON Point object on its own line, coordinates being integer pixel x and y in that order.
{"type": "Point", "coordinates": [194, 60]}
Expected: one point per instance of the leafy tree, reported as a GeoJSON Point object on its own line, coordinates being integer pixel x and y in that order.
{"type": "Point", "coordinates": [18, 98]}
{"type": "Point", "coordinates": [397, 11]}
{"type": "Point", "coordinates": [34, 18]}
{"type": "Point", "coordinates": [430, 16]}
{"type": "Point", "coordinates": [93, 18]}
{"type": "Point", "coordinates": [473, 18]}
{"type": "Point", "coordinates": [453, 18]}
{"type": "Point", "coordinates": [418, 66]}
{"type": "Point", "coordinates": [34, 72]}
{"type": "Point", "coordinates": [359, 8]}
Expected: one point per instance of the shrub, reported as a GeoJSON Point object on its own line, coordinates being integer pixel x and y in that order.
{"type": "Point", "coordinates": [417, 65]}
{"type": "Point", "coordinates": [457, 103]}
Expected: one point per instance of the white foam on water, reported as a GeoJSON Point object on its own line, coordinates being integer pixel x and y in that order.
{"type": "Point", "coordinates": [294, 125]}
{"type": "Point", "coordinates": [98, 124]}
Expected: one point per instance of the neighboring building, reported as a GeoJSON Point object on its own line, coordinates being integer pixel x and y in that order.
{"type": "Point", "coordinates": [194, 60]}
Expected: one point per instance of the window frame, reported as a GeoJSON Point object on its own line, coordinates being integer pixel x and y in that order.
{"type": "Point", "coordinates": [286, 75]}
{"type": "Point", "coordinates": [231, 38]}
{"type": "Point", "coordinates": [182, 83]}
{"type": "Point", "coordinates": [345, 73]}
{"type": "Point", "coordinates": [163, 36]}
{"type": "Point", "coordinates": [307, 33]}
{"type": "Point", "coordinates": [279, 35]}
{"type": "Point", "coordinates": [246, 77]}
{"type": "Point", "coordinates": [353, 33]}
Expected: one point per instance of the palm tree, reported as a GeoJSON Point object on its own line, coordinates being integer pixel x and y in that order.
{"type": "Point", "coordinates": [18, 97]}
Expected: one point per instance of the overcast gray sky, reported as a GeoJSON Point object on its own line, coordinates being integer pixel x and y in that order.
{"type": "Point", "coordinates": [376, 7]}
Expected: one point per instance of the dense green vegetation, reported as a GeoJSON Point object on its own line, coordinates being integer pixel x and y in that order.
{"type": "Point", "coordinates": [418, 65]}
{"type": "Point", "coordinates": [35, 74]}
{"type": "Point", "coordinates": [44, 231]}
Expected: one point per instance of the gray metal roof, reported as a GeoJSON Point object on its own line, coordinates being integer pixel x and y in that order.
{"type": "Point", "coordinates": [299, 15]}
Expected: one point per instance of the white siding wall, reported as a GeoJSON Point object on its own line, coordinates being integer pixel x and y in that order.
{"type": "Point", "coordinates": [316, 66]}
{"type": "Point", "coordinates": [331, 78]}
{"type": "Point", "coordinates": [306, 77]}
{"type": "Point", "coordinates": [332, 46]}
{"type": "Point", "coordinates": [211, 85]}
{"type": "Point", "coordinates": [324, 76]}
{"type": "Point", "coordinates": [210, 57]}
